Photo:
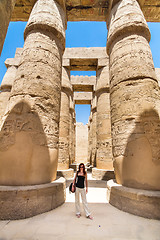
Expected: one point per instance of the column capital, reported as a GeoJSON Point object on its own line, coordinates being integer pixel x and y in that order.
{"type": "Point", "coordinates": [48, 15]}
{"type": "Point", "coordinates": [126, 17]}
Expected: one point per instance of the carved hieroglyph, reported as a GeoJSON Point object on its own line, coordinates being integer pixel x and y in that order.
{"type": "Point", "coordinates": [29, 136]}
{"type": "Point", "coordinates": [64, 125]}
{"type": "Point", "coordinates": [104, 140]}
{"type": "Point", "coordinates": [135, 98]}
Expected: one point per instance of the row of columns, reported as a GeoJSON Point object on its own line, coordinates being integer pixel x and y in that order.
{"type": "Point", "coordinates": [33, 113]}
{"type": "Point", "coordinates": [100, 140]}
{"type": "Point", "coordinates": [66, 154]}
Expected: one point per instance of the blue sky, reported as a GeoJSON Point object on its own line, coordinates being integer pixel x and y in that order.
{"type": "Point", "coordinates": [78, 34]}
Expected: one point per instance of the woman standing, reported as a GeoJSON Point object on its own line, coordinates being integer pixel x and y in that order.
{"type": "Point", "coordinates": [81, 177]}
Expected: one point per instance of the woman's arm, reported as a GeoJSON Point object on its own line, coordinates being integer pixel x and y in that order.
{"type": "Point", "coordinates": [86, 183]}
{"type": "Point", "coordinates": [75, 178]}
{"type": "Point", "coordinates": [74, 181]}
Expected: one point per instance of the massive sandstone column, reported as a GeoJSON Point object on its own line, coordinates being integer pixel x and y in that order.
{"type": "Point", "coordinates": [64, 126]}
{"type": "Point", "coordinates": [29, 136]}
{"type": "Point", "coordinates": [135, 98]}
{"type": "Point", "coordinates": [6, 8]}
{"type": "Point", "coordinates": [104, 140]}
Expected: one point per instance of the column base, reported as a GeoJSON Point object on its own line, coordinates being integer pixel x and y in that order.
{"type": "Point", "coordinates": [102, 174]}
{"type": "Point", "coordinates": [67, 174]}
{"type": "Point", "coordinates": [135, 201]}
{"type": "Point", "coordinates": [74, 166]}
{"type": "Point", "coordinates": [19, 202]}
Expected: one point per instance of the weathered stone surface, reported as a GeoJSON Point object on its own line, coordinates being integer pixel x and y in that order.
{"type": "Point", "coordinates": [104, 139]}
{"type": "Point", "coordinates": [136, 201]}
{"type": "Point", "coordinates": [7, 82]}
{"type": "Point", "coordinates": [6, 8]}
{"type": "Point", "coordinates": [85, 59]}
{"type": "Point", "coordinates": [135, 99]}
{"type": "Point", "coordinates": [82, 97]}
{"type": "Point", "coordinates": [34, 106]}
{"type": "Point", "coordinates": [83, 83]}
{"type": "Point", "coordinates": [102, 174]}
{"type": "Point", "coordinates": [158, 75]}
{"type": "Point", "coordinates": [81, 143]}
{"type": "Point", "coordinates": [27, 201]}
{"type": "Point", "coordinates": [67, 174]}
{"type": "Point", "coordinates": [85, 10]}
{"type": "Point", "coordinates": [64, 125]}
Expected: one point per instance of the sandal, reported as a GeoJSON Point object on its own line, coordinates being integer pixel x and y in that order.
{"type": "Point", "coordinates": [90, 217]}
{"type": "Point", "coordinates": [78, 215]}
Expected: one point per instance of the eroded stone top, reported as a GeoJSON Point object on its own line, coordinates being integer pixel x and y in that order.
{"type": "Point", "coordinates": [87, 10]}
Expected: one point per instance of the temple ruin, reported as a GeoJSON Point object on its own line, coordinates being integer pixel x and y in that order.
{"type": "Point", "coordinates": [38, 140]}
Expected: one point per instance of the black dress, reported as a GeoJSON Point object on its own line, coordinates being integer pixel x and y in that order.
{"type": "Point", "coordinates": [80, 181]}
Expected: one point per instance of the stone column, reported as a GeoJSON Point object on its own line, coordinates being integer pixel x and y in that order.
{"type": "Point", "coordinates": [72, 138]}
{"type": "Point", "coordinates": [64, 126]}
{"type": "Point", "coordinates": [29, 136]}
{"type": "Point", "coordinates": [7, 82]}
{"type": "Point", "coordinates": [104, 161]}
{"type": "Point", "coordinates": [90, 139]}
{"type": "Point", "coordinates": [135, 102]}
{"type": "Point", "coordinates": [6, 8]}
{"type": "Point", "coordinates": [94, 129]}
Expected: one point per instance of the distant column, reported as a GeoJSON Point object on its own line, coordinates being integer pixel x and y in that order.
{"type": "Point", "coordinates": [104, 140]}
{"type": "Point", "coordinates": [135, 98]}
{"type": "Point", "coordinates": [74, 137]}
{"type": "Point", "coordinates": [7, 82]}
{"type": "Point", "coordinates": [94, 129]}
{"type": "Point", "coordinates": [29, 150]}
{"type": "Point", "coordinates": [72, 131]}
{"type": "Point", "coordinates": [90, 140]}
{"type": "Point", "coordinates": [6, 8]}
{"type": "Point", "coordinates": [64, 126]}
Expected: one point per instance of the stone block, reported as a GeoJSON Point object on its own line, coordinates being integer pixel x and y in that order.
{"type": "Point", "coordinates": [102, 174]}
{"type": "Point", "coordinates": [139, 202]}
{"type": "Point", "coordinates": [67, 174]}
{"type": "Point", "coordinates": [19, 202]}
{"type": "Point", "coordinates": [82, 97]}
{"type": "Point", "coordinates": [78, 10]}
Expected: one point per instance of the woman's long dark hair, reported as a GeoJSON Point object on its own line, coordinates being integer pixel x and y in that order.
{"type": "Point", "coordinates": [84, 171]}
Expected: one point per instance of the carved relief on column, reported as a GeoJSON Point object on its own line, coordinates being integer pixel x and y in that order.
{"type": "Point", "coordinates": [104, 140]}
{"type": "Point", "coordinates": [94, 129]}
{"type": "Point", "coordinates": [29, 136]}
{"type": "Point", "coordinates": [64, 126]}
{"type": "Point", "coordinates": [134, 98]}
{"type": "Point", "coordinates": [6, 8]}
